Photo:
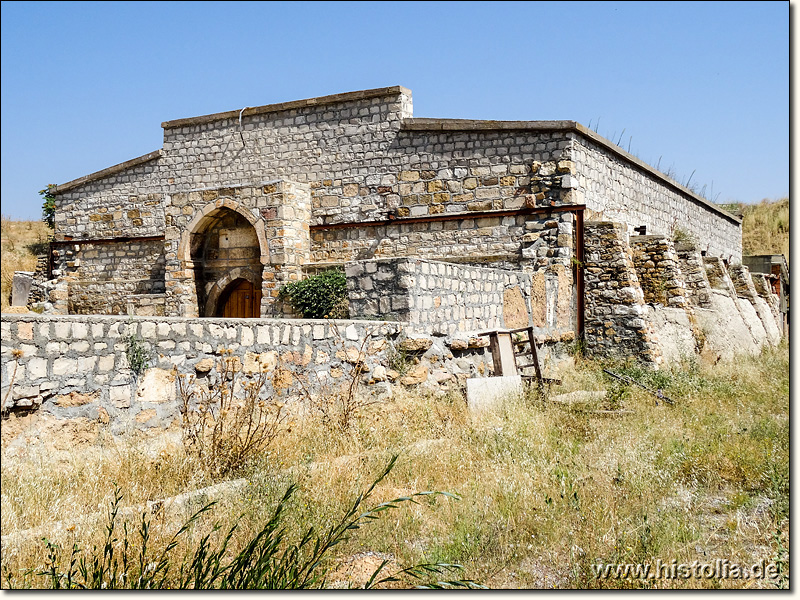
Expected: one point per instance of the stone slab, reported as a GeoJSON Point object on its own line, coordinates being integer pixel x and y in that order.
{"type": "Point", "coordinates": [21, 288]}
{"type": "Point", "coordinates": [488, 392]}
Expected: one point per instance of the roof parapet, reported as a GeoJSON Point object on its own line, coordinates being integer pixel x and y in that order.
{"type": "Point", "coordinates": [270, 108]}
{"type": "Point", "coordinates": [113, 170]}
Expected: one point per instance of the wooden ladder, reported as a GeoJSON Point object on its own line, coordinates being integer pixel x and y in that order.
{"type": "Point", "coordinates": [531, 354]}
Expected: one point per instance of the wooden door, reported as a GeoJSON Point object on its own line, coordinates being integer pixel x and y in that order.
{"type": "Point", "coordinates": [243, 301]}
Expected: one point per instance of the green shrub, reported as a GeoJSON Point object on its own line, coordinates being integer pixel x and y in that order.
{"type": "Point", "coordinates": [319, 296]}
{"type": "Point", "coordinates": [48, 205]}
{"type": "Point", "coordinates": [137, 354]}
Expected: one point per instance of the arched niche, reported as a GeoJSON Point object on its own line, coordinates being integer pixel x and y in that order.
{"type": "Point", "coordinates": [224, 244]}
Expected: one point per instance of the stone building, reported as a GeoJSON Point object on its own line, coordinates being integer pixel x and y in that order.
{"type": "Point", "coordinates": [236, 204]}
{"type": "Point", "coordinates": [771, 270]}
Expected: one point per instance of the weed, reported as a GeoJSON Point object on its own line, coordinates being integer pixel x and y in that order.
{"type": "Point", "coordinates": [223, 432]}
{"type": "Point", "coordinates": [701, 471]}
{"type": "Point", "coordinates": [399, 360]}
{"type": "Point", "coordinates": [340, 404]}
{"type": "Point", "coordinates": [781, 560]}
{"type": "Point", "coordinates": [137, 354]}
{"type": "Point", "coordinates": [681, 236]}
{"type": "Point", "coordinates": [268, 560]}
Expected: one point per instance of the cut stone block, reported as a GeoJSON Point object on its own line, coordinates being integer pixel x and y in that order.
{"type": "Point", "coordinates": [488, 392]}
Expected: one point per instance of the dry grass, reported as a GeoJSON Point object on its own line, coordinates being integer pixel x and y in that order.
{"type": "Point", "coordinates": [765, 227]}
{"type": "Point", "coordinates": [20, 241]}
{"type": "Point", "coordinates": [545, 490]}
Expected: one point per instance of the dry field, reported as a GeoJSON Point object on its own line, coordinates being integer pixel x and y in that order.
{"type": "Point", "coordinates": [20, 242]}
{"type": "Point", "coordinates": [765, 227]}
{"type": "Point", "coordinates": [546, 490]}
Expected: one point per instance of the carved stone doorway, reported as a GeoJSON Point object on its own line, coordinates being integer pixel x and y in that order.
{"type": "Point", "coordinates": [226, 257]}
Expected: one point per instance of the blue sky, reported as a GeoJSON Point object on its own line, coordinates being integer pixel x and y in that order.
{"type": "Point", "coordinates": [701, 87]}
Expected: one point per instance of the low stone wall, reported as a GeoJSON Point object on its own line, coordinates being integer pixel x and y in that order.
{"type": "Point", "coordinates": [79, 366]}
{"type": "Point", "coordinates": [442, 298]}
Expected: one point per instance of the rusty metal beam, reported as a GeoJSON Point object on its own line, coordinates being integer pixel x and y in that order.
{"type": "Point", "coordinates": [451, 217]}
{"type": "Point", "coordinates": [119, 240]}
{"type": "Point", "coordinates": [579, 269]}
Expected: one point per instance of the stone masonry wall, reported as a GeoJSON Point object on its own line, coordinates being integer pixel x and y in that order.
{"type": "Point", "coordinates": [77, 365]}
{"type": "Point", "coordinates": [718, 276]}
{"type": "Point", "coordinates": [342, 143]}
{"type": "Point", "coordinates": [279, 213]}
{"type": "Point", "coordinates": [698, 289]}
{"type": "Point", "coordinates": [742, 282]}
{"type": "Point", "coordinates": [658, 269]}
{"type": "Point", "coordinates": [102, 276]}
{"type": "Point", "coordinates": [437, 297]}
{"type": "Point", "coordinates": [359, 157]}
{"type": "Point", "coordinates": [126, 204]}
{"type": "Point", "coordinates": [616, 316]}
{"type": "Point", "coordinates": [619, 191]}
{"type": "Point", "coordinates": [535, 240]}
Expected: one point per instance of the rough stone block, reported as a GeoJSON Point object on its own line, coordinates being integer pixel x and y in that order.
{"type": "Point", "coordinates": [120, 395]}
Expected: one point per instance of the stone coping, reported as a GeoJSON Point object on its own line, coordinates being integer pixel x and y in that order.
{"type": "Point", "coordinates": [424, 124]}
{"type": "Point", "coordinates": [434, 261]}
{"type": "Point", "coordinates": [113, 170]}
{"type": "Point", "coordinates": [567, 126]}
{"type": "Point", "coordinates": [31, 316]}
{"type": "Point", "coordinates": [281, 106]}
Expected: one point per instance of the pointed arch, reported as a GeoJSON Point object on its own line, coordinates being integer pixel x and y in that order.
{"type": "Point", "coordinates": [224, 241]}
{"type": "Point", "coordinates": [205, 218]}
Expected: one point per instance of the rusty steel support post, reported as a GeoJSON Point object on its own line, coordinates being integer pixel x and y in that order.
{"type": "Point", "coordinates": [579, 269]}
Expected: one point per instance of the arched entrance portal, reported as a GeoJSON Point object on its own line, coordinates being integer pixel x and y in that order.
{"type": "Point", "coordinates": [240, 300]}
{"type": "Point", "coordinates": [226, 260]}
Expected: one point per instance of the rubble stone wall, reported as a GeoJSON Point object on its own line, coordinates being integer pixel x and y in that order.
{"type": "Point", "coordinates": [531, 240]}
{"type": "Point", "coordinates": [616, 316]}
{"type": "Point", "coordinates": [698, 289]}
{"type": "Point", "coordinates": [658, 269]}
{"type": "Point", "coordinates": [102, 276]}
{"type": "Point", "coordinates": [78, 365]}
{"type": "Point", "coordinates": [127, 204]}
{"type": "Point", "coordinates": [359, 157]}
